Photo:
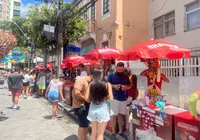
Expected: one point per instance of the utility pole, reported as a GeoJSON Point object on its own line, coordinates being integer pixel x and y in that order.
{"type": "Point", "coordinates": [59, 35]}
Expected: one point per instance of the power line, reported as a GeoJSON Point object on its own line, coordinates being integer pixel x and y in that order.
{"type": "Point", "coordinates": [82, 10]}
{"type": "Point", "coordinates": [162, 7]}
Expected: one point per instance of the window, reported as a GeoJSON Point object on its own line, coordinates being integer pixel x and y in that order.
{"type": "Point", "coordinates": [17, 6]}
{"type": "Point", "coordinates": [16, 13]}
{"type": "Point", "coordinates": [193, 15]}
{"type": "Point", "coordinates": [93, 11]}
{"type": "Point", "coordinates": [85, 14]}
{"type": "Point", "coordinates": [164, 26]}
{"type": "Point", "coordinates": [17, 3]}
{"type": "Point", "coordinates": [106, 6]}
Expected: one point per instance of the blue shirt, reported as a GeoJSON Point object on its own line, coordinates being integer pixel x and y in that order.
{"type": "Point", "coordinates": [115, 79]}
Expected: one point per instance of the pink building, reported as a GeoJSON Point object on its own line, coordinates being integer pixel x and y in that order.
{"type": "Point", "coordinates": [4, 10]}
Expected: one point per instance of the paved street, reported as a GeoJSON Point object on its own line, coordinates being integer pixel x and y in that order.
{"type": "Point", "coordinates": [33, 121]}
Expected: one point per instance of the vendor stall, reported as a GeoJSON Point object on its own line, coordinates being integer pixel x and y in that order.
{"type": "Point", "coordinates": [152, 116]}
{"type": "Point", "coordinates": [70, 69]}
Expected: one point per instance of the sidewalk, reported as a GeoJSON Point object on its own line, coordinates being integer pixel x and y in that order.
{"type": "Point", "coordinates": [33, 121]}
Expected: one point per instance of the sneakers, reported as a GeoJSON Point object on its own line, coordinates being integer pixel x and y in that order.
{"type": "Point", "coordinates": [28, 97]}
{"type": "Point", "coordinates": [113, 137]}
{"type": "Point", "coordinates": [54, 118]}
{"type": "Point", "coordinates": [15, 107]}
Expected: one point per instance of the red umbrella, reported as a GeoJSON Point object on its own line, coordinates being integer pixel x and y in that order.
{"type": "Point", "coordinates": [76, 61]}
{"type": "Point", "coordinates": [72, 59]}
{"type": "Point", "coordinates": [49, 66]}
{"type": "Point", "coordinates": [38, 67]}
{"type": "Point", "coordinates": [103, 53]}
{"type": "Point", "coordinates": [89, 62]}
{"type": "Point", "coordinates": [63, 66]}
{"type": "Point", "coordinates": [155, 49]}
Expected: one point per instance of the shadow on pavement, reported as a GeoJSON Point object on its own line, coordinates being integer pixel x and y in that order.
{"type": "Point", "coordinates": [9, 107]}
{"type": "Point", "coordinates": [48, 117]}
{"type": "Point", "coordinates": [3, 118]}
{"type": "Point", "coordinates": [72, 137]}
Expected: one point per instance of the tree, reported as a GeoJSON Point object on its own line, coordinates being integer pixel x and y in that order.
{"type": "Point", "coordinates": [8, 25]}
{"type": "Point", "coordinates": [38, 16]}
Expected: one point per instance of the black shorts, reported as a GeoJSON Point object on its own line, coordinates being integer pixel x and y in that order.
{"type": "Point", "coordinates": [26, 84]}
{"type": "Point", "coordinates": [82, 115]}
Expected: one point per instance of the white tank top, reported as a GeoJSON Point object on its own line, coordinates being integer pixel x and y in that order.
{"type": "Point", "coordinates": [55, 85]}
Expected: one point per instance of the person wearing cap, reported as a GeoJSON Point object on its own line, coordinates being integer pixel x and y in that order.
{"type": "Point", "coordinates": [82, 70]}
{"type": "Point", "coordinates": [54, 93]}
{"type": "Point", "coordinates": [80, 105]}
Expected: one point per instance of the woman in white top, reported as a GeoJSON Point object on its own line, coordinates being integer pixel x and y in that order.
{"type": "Point", "coordinates": [25, 85]}
{"type": "Point", "coordinates": [54, 92]}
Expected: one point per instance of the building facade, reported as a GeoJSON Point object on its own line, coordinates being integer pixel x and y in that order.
{"type": "Point", "coordinates": [9, 9]}
{"type": "Point", "coordinates": [175, 21]}
{"type": "Point", "coordinates": [178, 21]}
{"type": "Point", "coordinates": [15, 8]}
{"type": "Point", "coordinates": [4, 10]}
{"type": "Point", "coordinates": [115, 24]}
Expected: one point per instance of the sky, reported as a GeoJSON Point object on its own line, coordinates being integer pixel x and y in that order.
{"type": "Point", "coordinates": [27, 3]}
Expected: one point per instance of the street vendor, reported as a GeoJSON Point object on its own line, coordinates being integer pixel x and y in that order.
{"type": "Point", "coordinates": [193, 102]}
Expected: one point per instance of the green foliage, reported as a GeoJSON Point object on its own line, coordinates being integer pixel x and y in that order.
{"type": "Point", "coordinates": [8, 25]}
{"type": "Point", "coordinates": [37, 16]}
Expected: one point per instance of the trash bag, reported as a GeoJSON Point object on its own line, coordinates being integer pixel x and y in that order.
{"type": "Point", "coordinates": [148, 134]}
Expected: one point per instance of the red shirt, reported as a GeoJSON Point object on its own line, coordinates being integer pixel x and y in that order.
{"type": "Point", "coordinates": [158, 84]}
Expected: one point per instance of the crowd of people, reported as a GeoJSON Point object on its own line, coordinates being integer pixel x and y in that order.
{"type": "Point", "coordinates": [91, 96]}
{"type": "Point", "coordinates": [90, 101]}
{"type": "Point", "coordinates": [25, 84]}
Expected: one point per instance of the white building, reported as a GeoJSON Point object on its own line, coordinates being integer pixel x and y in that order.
{"type": "Point", "coordinates": [178, 21]}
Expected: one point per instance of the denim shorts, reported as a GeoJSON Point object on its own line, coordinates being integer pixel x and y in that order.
{"type": "Point", "coordinates": [99, 113]}
{"type": "Point", "coordinates": [31, 84]}
{"type": "Point", "coordinates": [53, 96]}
